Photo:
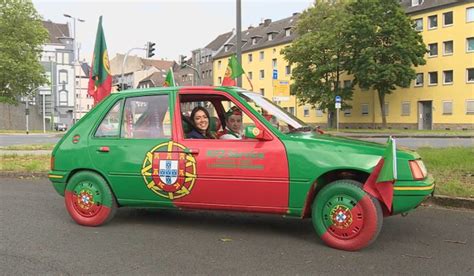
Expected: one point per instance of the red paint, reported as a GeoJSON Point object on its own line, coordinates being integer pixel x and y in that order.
{"type": "Point", "coordinates": [368, 228]}
{"type": "Point", "coordinates": [383, 191]}
{"type": "Point", "coordinates": [101, 215]}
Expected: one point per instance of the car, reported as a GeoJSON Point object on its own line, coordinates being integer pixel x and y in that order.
{"type": "Point", "coordinates": [133, 150]}
{"type": "Point", "coordinates": [60, 127]}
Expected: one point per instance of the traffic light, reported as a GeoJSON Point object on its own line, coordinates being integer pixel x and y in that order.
{"type": "Point", "coordinates": [150, 48]}
{"type": "Point", "coordinates": [182, 61]}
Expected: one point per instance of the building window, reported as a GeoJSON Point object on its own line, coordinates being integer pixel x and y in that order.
{"type": "Point", "coordinates": [287, 70]}
{"type": "Point", "coordinates": [63, 76]}
{"type": "Point", "coordinates": [448, 47]}
{"type": "Point", "coordinates": [447, 108]}
{"type": "Point", "coordinates": [347, 84]}
{"type": "Point", "coordinates": [347, 112]}
{"type": "Point", "coordinates": [470, 75]}
{"type": "Point", "coordinates": [291, 110]}
{"type": "Point", "coordinates": [287, 32]}
{"type": "Point", "coordinates": [219, 64]}
{"type": "Point", "coordinates": [274, 63]}
{"type": "Point", "coordinates": [226, 48]}
{"type": "Point", "coordinates": [250, 57]}
{"type": "Point", "coordinates": [433, 76]}
{"type": "Point", "coordinates": [432, 22]}
{"type": "Point", "coordinates": [254, 41]}
{"type": "Point", "coordinates": [262, 91]}
{"type": "Point", "coordinates": [448, 77]}
{"type": "Point", "coordinates": [416, 2]}
{"type": "Point", "coordinates": [250, 75]}
{"type": "Point", "coordinates": [319, 112]}
{"type": "Point", "coordinates": [433, 48]}
{"type": "Point", "coordinates": [470, 107]}
{"type": "Point", "coordinates": [306, 111]}
{"type": "Point", "coordinates": [470, 44]}
{"type": "Point", "coordinates": [419, 80]}
{"type": "Point", "coordinates": [365, 109]}
{"type": "Point", "coordinates": [405, 108]}
{"type": "Point", "coordinates": [385, 106]}
{"type": "Point", "coordinates": [262, 74]}
{"type": "Point", "coordinates": [219, 81]}
{"type": "Point", "coordinates": [470, 14]}
{"type": "Point", "coordinates": [419, 24]}
{"type": "Point", "coordinates": [448, 18]}
{"type": "Point", "coordinates": [63, 98]}
{"type": "Point", "coordinates": [262, 55]}
{"type": "Point", "coordinates": [270, 36]}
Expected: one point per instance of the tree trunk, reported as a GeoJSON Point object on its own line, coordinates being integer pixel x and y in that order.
{"type": "Point", "coordinates": [382, 108]}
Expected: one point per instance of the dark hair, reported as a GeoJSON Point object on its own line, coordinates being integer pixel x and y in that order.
{"type": "Point", "coordinates": [193, 113]}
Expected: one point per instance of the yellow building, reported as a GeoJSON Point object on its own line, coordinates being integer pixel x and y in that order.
{"type": "Point", "coordinates": [441, 97]}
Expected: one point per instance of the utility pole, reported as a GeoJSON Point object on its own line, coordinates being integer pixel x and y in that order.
{"type": "Point", "coordinates": [238, 43]}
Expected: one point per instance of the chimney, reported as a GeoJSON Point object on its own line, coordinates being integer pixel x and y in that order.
{"type": "Point", "coordinates": [250, 27]}
{"type": "Point", "coordinates": [267, 22]}
{"type": "Point", "coordinates": [296, 13]}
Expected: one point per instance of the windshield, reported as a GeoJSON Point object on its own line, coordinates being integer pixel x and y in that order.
{"type": "Point", "coordinates": [279, 118]}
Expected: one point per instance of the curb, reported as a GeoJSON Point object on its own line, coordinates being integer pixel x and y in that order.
{"type": "Point", "coordinates": [448, 201]}
{"type": "Point", "coordinates": [24, 174]}
{"type": "Point", "coordinates": [401, 136]}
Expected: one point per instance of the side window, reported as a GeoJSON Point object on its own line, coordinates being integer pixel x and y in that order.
{"type": "Point", "coordinates": [110, 125]}
{"type": "Point", "coordinates": [146, 117]}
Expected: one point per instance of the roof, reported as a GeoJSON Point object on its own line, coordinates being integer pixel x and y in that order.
{"type": "Point", "coordinates": [430, 5]}
{"type": "Point", "coordinates": [261, 33]}
{"type": "Point", "coordinates": [157, 78]}
{"type": "Point", "coordinates": [219, 41]}
{"type": "Point", "coordinates": [56, 30]}
{"type": "Point", "coordinates": [85, 68]}
{"type": "Point", "coordinates": [160, 64]}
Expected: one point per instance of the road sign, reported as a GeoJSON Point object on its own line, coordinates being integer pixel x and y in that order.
{"type": "Point", "coordinates": [338, 99]}
{"type": "Point", "coordinates": [281, 88]}
{"type": "Point", "coordinates": [275, 74]}
{"type": "Point", "coordinates": [338, 105]}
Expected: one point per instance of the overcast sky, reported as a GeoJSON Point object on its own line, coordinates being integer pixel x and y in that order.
{"type": "Point", "coordinates": [177, 27]}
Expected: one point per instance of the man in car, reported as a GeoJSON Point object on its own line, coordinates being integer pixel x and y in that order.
{"type": "Point", "coordinates": [233, 121]}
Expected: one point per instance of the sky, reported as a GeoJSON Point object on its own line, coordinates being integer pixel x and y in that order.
{"type": "Point", "coordinates": [177, 27]}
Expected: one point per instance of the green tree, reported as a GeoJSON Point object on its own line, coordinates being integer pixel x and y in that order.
{"type": "Point", "coordinates": [318, 56]}
{"type": "Point", "coordinates": [384, 47]}
{"type": "Point", "coordinates": [21, 37]}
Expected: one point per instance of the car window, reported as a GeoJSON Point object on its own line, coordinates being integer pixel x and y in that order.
{"type": "Point", "coordinates": [146, 117]}
{"type": "Point", "coordinates": [110, 125]}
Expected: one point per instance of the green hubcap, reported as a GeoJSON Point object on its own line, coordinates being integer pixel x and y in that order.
{"type": "Point", "coordinates": [342, 217]}
{"type": "Point", "coordinates": [87, 198]}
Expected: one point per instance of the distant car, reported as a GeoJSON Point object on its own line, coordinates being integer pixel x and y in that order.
{"type": "Point", "coordinates": [133, 150]}
{"type": "Point", "coordinates": [60, 127]}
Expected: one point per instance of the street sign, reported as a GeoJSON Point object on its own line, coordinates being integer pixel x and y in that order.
{"type": "Point", "coordinates": [338, 105]}
{"type": "Point", "coordinates": [338, 99]}
{"type": "Point", "coordinates": [275, 74]}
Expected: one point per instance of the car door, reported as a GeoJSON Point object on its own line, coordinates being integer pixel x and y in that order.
{"type": "Point", "coordinates": [248, 174]}
{"type": "Point", "coordinates": [128, 143]}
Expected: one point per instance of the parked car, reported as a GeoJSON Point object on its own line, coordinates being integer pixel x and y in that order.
{"type": "Point", "coordinates": [132, 150]}
{"type": "Point", "coordinates": [60, 127]}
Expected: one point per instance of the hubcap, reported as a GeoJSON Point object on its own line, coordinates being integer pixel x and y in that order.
{"type": "Point", "coordinates": [343, 217]}
{"type": "Point", "coordinates": [87, 199]}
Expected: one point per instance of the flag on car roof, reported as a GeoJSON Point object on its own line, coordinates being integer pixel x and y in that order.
{"type": "Point", "coordinates": [169, 81]}
{"type": "Point", "coordinates": [100, 79]}
{"type": "Point", "coordinates": [381, 180]}
{"type": "Point", "coordinates": [233, 71]}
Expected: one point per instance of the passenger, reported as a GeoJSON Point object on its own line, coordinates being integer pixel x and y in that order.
{"type": "Point", "coordinates": [233, 122]}
{"type": "Point", "coordinates": [200, 120]}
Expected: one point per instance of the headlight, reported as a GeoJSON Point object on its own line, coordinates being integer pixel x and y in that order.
{"type": "Point", "coordinates": [418, 169]}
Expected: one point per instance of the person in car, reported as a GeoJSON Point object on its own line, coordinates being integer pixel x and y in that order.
{"type": "Point", "coordinates": [200, 121]}
{"type": "Point", "coordinates": [233, 122]}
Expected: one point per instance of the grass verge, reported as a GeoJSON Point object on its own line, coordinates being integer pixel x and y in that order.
{"type": "Point", "coordinates": [28, 163]}
{"type": "Point", "coordinates": [452, 168]}
{"type": "Point", "coordinates": [49, 146]}
{"type": "Point", "coordinates": [404, 131]}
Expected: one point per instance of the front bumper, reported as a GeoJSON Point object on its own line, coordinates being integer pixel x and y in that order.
{"type": "Point", "coordinates": [407, 195]}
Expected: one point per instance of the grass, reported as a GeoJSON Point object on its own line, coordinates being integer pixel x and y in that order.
{"type": "Point", "coordinates": [24, 131]}
{"type": "Point", "coordinates": [452, 168]}
{"type": "Point", "coordinates": [49, 146]}
{"type": "Point", "coordinates": [28, 163]}
{"type": "Point", "coordinates": [404, 131]}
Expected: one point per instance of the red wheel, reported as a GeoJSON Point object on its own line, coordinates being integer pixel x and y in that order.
{"type": "Point", "coordinates": [346, 217]}
{"type": "Point", "coordinates": [89, 200]}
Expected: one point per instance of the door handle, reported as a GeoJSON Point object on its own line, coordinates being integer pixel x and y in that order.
{"type": "Point", "coordinates": [103, 149]}
{"type": "Point", "coordinates": [194, 151]}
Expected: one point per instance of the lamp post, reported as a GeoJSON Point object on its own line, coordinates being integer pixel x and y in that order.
{"type": "Point", "coordinates": [75, 62]}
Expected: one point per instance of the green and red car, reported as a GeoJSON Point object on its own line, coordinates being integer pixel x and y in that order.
{"type": "Point", "coordinates": [131, 150]}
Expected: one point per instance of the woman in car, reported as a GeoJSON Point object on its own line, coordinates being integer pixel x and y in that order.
{"type": "Point", "coordinates": [200, 121]}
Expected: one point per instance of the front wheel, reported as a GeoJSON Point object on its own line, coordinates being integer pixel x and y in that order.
{"type": "Point", "coordinates": [89, 200]}
{"type": "Point", "coordinates": [345, 216]}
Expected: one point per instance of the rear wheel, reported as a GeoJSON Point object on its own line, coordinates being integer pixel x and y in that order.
{"type": "Point", "coordinates": [345, 216]}
{"type": "Point", "coordinates": [89, 200]}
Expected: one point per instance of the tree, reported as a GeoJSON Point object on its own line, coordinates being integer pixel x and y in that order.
{"type": "Point", "coordinates": [384, 47]}
{"type": "Point", "coordinates": [318, 56]}
{"type": "Point", "coordinates": [21, 37]}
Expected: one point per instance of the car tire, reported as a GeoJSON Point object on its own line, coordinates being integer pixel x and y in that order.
{"type": "Point", "coordinates": [89, 200]}
{"type": "Point", "coordinates": [345, 216]}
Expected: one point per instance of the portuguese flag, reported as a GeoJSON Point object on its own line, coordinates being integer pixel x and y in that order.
{"type": "Point", "coordinates": [381, 180]}
{"type": "Point", "coordinates": [233, 71]}
{"type": "Point", "coordinates": [169, 81]}
{"type": "Point", "coordinates": [100, 80]}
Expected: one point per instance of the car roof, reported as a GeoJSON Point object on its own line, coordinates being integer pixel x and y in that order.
{"type": "Point", "coordinates": [196, 89]}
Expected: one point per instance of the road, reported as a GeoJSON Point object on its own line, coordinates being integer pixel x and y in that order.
{"type": "Point", "coordinates": [414, 143]}
{"type": "Point", "coordinates": [38, 237]}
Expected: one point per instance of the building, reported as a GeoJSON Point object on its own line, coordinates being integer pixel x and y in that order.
{"type": "Point", "coordinates": [441, 97]}
{"type": "Point", "coordinates": [84, 102]}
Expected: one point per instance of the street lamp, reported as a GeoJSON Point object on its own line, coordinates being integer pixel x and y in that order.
{"type": "Point", "coordinates": [76, 58]}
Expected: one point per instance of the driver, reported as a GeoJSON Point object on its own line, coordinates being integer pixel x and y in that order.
{"type": "Point", "coordinates": [233, 122]}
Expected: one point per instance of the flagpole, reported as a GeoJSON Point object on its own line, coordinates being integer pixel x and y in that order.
{"type": "Point", "coordinates": [239, 39]}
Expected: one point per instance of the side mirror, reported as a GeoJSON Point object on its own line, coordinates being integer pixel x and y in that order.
{"type": "Point", "coordinates": [254, 132]}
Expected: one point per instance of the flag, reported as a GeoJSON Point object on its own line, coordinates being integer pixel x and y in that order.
{"type": "Point", "coordinates": [100, 80]}
{"type": "Point", "coordinates": [233, 71]}
{"type": "Point", "coordinates": [381, 180]}
{"type": "Point", "coordinates": [169, 81]}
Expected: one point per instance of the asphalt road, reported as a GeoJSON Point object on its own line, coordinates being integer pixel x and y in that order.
{"type": "Point", "coordinates": [414, 143]}
{"type": "Point", "coordinates": [38, 237]}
